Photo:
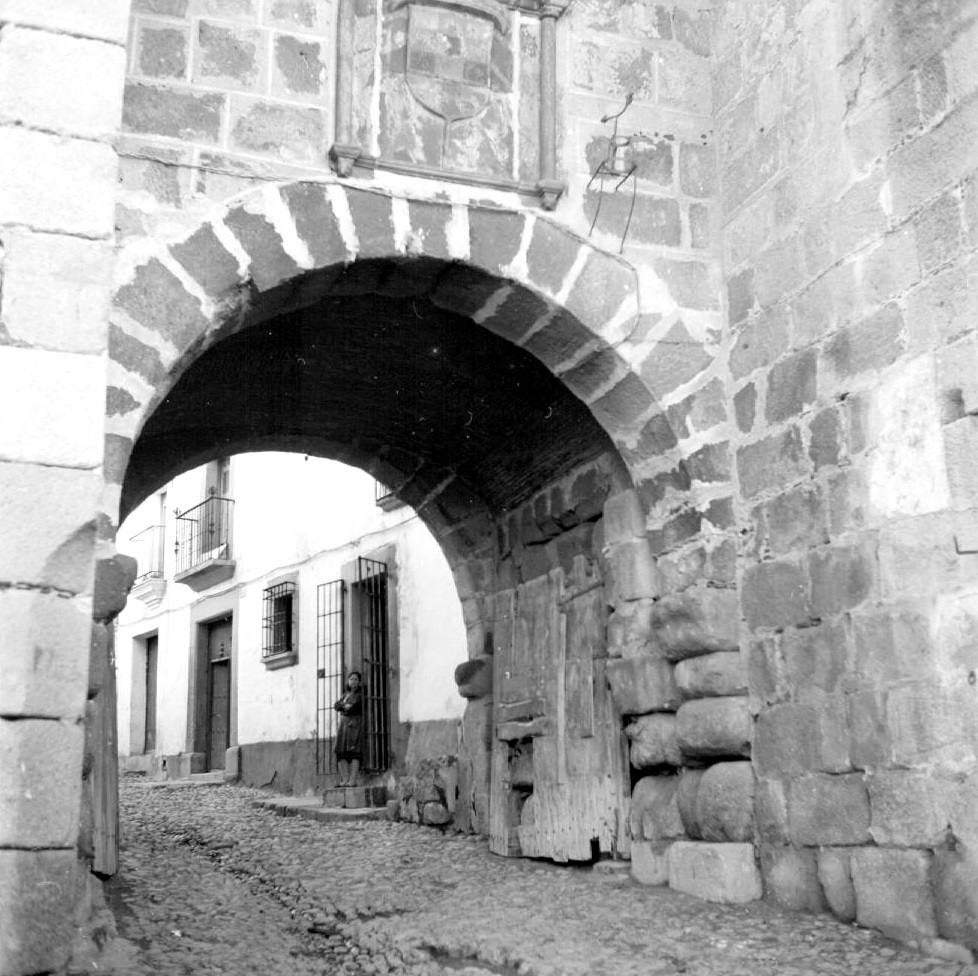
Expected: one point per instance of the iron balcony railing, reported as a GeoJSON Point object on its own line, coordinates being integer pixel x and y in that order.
{"type": "Point", "coordinates": [148, 546]}
{"type": "Point", "coordinates": [204, 533]}
{"type": "Point", "coordinates": [385, 497]}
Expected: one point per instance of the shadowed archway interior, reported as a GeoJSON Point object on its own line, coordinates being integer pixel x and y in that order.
{"type": "Point", "coordinates": [408, 390]}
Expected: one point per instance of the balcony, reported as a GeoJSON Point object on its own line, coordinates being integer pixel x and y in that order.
{"type": "Point", "coordinates": [147, 547]}
{"type": "Point", "coordinates": [385, 498]}
{"type": "Point", "coordinates": [203, 546]}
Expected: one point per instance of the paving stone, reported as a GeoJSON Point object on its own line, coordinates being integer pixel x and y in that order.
{"type": "Point", "coordinates": [210, 884]}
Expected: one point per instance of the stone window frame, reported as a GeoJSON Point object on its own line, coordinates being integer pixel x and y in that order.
{"type": "Point", "coordinates": [271, 658]}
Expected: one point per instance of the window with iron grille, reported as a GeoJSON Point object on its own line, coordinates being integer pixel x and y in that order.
{"type": "Point", "coordinates": [278, 625]}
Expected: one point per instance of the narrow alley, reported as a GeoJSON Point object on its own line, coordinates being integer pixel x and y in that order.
{"type": "Point", "coordinates": [212, 885]}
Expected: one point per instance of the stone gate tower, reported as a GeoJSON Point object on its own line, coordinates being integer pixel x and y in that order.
{"type": "Point", "coordinates": [702, 277]}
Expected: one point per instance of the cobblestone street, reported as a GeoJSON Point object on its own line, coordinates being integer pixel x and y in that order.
{"type": "Point", "coordinates": [211, 885]}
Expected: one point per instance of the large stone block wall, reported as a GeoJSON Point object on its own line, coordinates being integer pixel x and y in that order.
{"type": "Point", "coordinates": [847, 186]}
{"type": "Point", "coordinates": [221, 95]}
{"type": "Point", "coordinates": [61, 74]}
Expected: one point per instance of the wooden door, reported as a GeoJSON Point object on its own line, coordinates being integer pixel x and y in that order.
{"type": "Point", "coordinates": [558, 777]}
{"type": "Point", "coordinates": [219, 693]}
{"type": "Point", "coordinates": [149, 741]}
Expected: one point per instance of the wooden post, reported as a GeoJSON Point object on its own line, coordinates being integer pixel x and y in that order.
{"type": "Point", "coordinates": [105, 772]}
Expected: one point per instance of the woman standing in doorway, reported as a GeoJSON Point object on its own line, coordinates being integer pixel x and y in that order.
{"type": "Point", "coordinates": [349, 736]}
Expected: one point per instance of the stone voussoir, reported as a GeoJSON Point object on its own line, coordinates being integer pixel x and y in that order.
{"type": "Point", "coordinates": [429, 228]}
{"type": "Point", "coordinates": [373, 220]}
{"type": "Point", "coordinates": [624, 518]}
{"type": "Point", "coordinates": [270, 264]}
{"type": "Point", "coordinates": [157, 299]}
{"type": "Point", "coordinates": [604, 283]}
{"type": "Point", "coordinates": [551, 254]}
{"type": "Point", "coordinates": [316, 223]}
{"type": "Point", "coordinates": [208, 261]}
{"type": "Point", "coordinates": [494, 237]}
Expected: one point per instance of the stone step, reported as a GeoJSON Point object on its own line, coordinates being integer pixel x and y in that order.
{"type": "Point", "coordinates": [311, 808]}
{"type": "Point", "coordinates": [355, 797]}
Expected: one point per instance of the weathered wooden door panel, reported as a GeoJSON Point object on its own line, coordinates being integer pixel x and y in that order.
{"type": "Point", "coordinates": [552, 705]}
{"type": "Point", "coordinates": [149, 735]}
{"type": "Point", "coordinates": [219, 693]}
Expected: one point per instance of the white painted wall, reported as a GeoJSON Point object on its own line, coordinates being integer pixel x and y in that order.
{"type": "Point", "coordinates": [291, 514]}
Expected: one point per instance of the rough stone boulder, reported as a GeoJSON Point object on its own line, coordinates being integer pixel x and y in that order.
{"type": "Point", "coordinates": [474, 678]}
{"type": "Point", "coordinates": [653, 741]}
{"type": "Point", "coordinates": [714, 727]}
{"type": "Point", "coordinates": [724, 805]}
{"type": "Point", "coordinates": [654, 812]}
{"type": "Point", "coordinates": [642, 684]}
{"type": "Point", "coordinates": [698, 621]}
{"type": "Point", "coordinates": [650, 862]}
{"type": "Point", "coordinates": [712, 675]}
{"type": "Point", "coordinates": [688, 787]}
{"type": "Point", "coordinates": [113, 580]}
{"type": "Point", "coordinates": [630, 629]}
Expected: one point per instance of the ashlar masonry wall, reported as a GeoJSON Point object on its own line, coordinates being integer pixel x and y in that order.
{"type": "Point", "coordinates": [61, 74]}
{"type": "Point", "coordinates": [847, 187]}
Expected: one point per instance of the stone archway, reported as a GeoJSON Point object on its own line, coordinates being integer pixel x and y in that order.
{"type": "Point", "coordinates": [300, 290]}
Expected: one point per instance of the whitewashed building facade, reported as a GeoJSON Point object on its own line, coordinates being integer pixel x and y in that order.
{"type": "Point", "coordinates": [263, 580]}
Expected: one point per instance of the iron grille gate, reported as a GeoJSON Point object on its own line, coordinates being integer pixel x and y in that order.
{"type": "Point", "coordinates": [329, 669]}
{"type": "Point", "coordinates": [371, 657]}
{"type": "Point", "coordinates": [371, 606]}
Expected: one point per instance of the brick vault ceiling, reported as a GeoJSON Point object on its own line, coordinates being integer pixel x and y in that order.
{"type": "Point", "coordinates": [395, 378]}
